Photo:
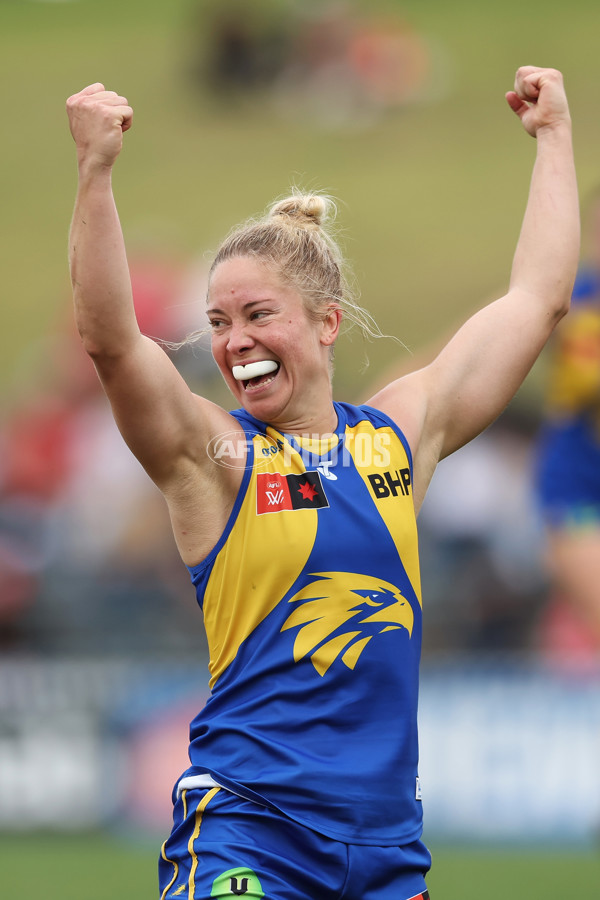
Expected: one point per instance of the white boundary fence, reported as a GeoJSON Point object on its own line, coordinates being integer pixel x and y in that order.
{"type": "Point", "coordinates": [509, 753]}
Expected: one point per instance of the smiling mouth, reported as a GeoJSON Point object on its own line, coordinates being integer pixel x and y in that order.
{"type": "Point", "coordinates": [256, 374]}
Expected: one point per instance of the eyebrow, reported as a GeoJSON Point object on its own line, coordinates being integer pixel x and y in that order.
{"type": "Point", "coordinates": [214, 309]}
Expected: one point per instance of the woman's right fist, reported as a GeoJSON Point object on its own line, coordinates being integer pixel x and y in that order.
{"type": "Point", "coordinates": [97, 119]}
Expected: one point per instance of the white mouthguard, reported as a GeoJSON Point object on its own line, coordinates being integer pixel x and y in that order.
{"type": "Point", "coordinates": [254, 370]}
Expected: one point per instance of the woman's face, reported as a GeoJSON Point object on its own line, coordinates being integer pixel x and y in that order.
{"type": "Point", "coordinates": [256, 317]}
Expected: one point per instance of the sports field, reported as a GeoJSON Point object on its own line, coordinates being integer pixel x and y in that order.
{"type": "Point", "coordinates": [430, 202]}
{"type": "Point", "coordinates": [97, 867]}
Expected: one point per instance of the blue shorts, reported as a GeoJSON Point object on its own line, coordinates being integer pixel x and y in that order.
{"type": "Point", "coordinates": [567, 474]}
{"type": "Point", "coordinates": [224, 846]}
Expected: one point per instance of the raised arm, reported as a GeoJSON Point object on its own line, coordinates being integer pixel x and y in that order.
{"type": "Point", "coordinates": [446, 404]}
{"type": "Point", "coordinates": [159, 417]}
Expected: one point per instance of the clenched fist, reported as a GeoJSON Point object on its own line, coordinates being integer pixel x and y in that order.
{"type": "Point", "coordinates": [98, 118]}
{"type": "Point", "coordinates": [539, 99]}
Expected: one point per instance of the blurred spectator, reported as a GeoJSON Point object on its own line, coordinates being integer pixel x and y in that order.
{"type": "Point", "coordinates": [37, 461]}
{"type": "Point", "coordinates": [393, 61]}
{"type": "Point", "coordinates": [567, 479]}
{"type": "Point", "coordinates": [480, 545]}
{"type": "Point", "coordinates": [68, 581]}
{"type": "Point", "coordinates": [239, 47]}
{"type": "Point", "coordinates": [345, 68]}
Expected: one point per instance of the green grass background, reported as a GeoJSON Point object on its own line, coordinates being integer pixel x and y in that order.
{"type": "Point", "coordinates": [97, 867]}
{"type": "Point", "coordinates": [431, 196]}
{"type": "Point", "coordinates": [431, 200]}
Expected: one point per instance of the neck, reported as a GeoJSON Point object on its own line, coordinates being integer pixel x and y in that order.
{"type": "Point", "coordinates": [321, 423]}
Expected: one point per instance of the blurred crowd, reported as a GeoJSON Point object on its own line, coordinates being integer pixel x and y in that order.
{"type": "Point", "coordinates": [336, 63]}
{"type": "Point", "coordinates": [87, 559]}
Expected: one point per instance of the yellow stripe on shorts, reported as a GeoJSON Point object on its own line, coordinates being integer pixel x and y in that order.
{"type": "Point", "coordinates": [198, 824]}
{"type": "Point", "coordinates": [166, 858]}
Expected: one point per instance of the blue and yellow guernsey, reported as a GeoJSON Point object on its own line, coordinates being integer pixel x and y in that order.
{"type": "Point", "coordinates": [567, 458]}
{"type": "Point", "coordinates": [312, 609]}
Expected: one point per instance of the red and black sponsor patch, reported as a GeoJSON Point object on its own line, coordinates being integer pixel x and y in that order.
{"type": "Point", "coordinates": [275, 492]}
{"type": "Point", "coordinates": [423, 896]}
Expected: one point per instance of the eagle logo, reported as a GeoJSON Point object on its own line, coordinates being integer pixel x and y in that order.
{"type": "Point", "coordinates": [340, 613]}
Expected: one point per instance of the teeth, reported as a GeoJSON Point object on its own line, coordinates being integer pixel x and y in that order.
{"type": "Point", "coordinates": [254, 370]}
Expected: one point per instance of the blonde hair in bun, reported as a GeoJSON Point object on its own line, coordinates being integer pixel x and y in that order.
{"type": "Point", "coordinates": [305, 209]}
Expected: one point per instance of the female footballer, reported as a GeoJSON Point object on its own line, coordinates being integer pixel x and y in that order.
{"type": "Point", "coordinates": [295, 515]}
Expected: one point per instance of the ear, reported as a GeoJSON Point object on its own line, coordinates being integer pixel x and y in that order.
{"type": "Point", "coordinates": [331, 324]}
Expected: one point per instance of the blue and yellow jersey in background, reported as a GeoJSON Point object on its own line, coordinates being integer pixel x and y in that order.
{"type": "Point", "coordinates": [574, 377]}
{"type": "Point", "coordinates": [312, 609]}
{"type": "Point", "coordinates": [567, 460]}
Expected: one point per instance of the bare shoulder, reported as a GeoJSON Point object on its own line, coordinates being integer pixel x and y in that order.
{"type": "Point", "coordinates": [405, 401]}
{"type": "Point", "coordinates": [214, 420]}
{"type": "Point", "coordinates": [217, 446]}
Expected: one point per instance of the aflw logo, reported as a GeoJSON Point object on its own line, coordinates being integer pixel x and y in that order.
{"type": "Point", "coordinates": [275, 498]}
{"type": "Point", "coordinates": [340, 612]}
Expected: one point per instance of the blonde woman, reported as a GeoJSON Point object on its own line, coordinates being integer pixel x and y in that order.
{"type": "Point", "coordinates": [295, 515]}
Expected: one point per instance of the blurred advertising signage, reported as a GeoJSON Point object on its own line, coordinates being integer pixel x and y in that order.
{"type": "Point", "coordinates": [510, 754]}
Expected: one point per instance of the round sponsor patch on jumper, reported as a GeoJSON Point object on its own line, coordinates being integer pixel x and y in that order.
{"type": "Point", "coordinates": [237, 883]}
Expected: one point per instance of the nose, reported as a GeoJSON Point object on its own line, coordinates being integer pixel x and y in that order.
{"type": "Point", "coordinates": [238, 338]}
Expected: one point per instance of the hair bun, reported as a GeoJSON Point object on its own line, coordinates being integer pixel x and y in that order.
{"type": "Point", "coordinates": [305, 209]}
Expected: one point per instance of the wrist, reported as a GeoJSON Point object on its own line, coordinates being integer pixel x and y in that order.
{"type": "Point", "coordinates": [560, 130]}
{"type": "Point", "coordinates": [93, 171]}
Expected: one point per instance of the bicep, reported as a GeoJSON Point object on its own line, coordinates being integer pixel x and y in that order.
{"type": "Point", "coordinates": [479, 371]}
{"type": "Point", "coordinates": [448, 402]}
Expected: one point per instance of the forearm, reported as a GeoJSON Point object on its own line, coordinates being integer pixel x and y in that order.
{"type": "Point", "coordinates": [547, 253]}
{"type": "Point", "coordinates": [102, 294]}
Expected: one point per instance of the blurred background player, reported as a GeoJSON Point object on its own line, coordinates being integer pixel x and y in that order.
{"type": "Point", "coordinates": [567, 462]}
